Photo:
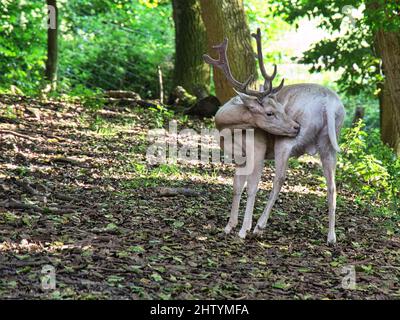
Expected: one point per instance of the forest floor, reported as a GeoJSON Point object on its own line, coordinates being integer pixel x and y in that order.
{"type": "Point", "coordinates": [77, 194]}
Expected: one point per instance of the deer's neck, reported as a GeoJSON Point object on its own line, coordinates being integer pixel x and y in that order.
{"type": "Point", "coordinates": [233, 116]}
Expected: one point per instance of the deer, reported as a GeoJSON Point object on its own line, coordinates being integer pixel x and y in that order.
{"type": "Point", "coordinates": [318, 114]}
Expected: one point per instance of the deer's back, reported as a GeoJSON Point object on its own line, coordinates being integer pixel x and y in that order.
{"type": "Point", "coordinates": [307, 105]}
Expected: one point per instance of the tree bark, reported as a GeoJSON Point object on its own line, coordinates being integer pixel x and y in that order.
{"type": "Point", "coordinates": [52, 46]}
{"type": "Point", "coordinates": [191, 72]}
{"type": "Point", "coordinates": [226, 18]}
{"type": "Point", "coordinates": [388, 48]}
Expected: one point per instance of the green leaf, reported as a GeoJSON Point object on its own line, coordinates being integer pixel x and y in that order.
{"type": "Point", "coordinates": [178, 224]}
{"type": "Point", "coordinates": [137, 249]}
{"type": "Point", "coordinates": [280, 285]}
{"type": "Point", "coordinates": [156, 277]}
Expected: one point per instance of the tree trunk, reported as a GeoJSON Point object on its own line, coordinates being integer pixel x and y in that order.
{"type": "Point", "coordinates": [191, 72]}
{"type": "Point", "coordinates": [388, 47]}
{"type": "Point", "coordinates": [52, 45]}
{"type": "Point", "coordinates": [358, 115]}
{"type": "Point", "coordinates": [226, 18]}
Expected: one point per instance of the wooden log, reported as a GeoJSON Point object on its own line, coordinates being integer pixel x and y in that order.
{"type": "Point", "coordinates": [120, 94]}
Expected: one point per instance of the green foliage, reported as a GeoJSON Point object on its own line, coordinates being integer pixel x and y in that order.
{"type": "Point", "coordinates": [350, 48]}
{"type": "Point", "coordinates": [263, 14]}
{"type": "Point", "coordinates": [370, 105]}
{"type": "Point", "coordinates": [114, 44]}
{"type": "Point", "coordinates": [369, 166]}
{"type": "Point", "coordinates": [22, 44]}
{"type": "Point", "coordinates": [92, 99]}
{"type": "Point", "coordinates": [120, 43]}
{"type": "Point", "coordinates": [161, 115]}
{"type": "Point", "coordinates": [350, 54]}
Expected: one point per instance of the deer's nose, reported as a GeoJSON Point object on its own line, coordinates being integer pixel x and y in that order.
{"type": "Point", "coordinates": [296, 127]}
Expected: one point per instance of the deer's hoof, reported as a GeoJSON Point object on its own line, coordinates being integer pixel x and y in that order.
{"type": "Point", "coordinates": [257, 230]}
{"type": "Point", "coordinates": [242, 233]}
{"type": "Point", "coordinates": [228, 228]}
{"type": "Point", "coordinates": [331, 239]}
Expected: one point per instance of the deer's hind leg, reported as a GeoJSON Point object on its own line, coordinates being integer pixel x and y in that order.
{"type": "Point", "coordinates": [328, 160]}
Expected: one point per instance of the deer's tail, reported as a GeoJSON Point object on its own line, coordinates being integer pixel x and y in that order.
{"type": "Point", "coordinates": [333, 127]}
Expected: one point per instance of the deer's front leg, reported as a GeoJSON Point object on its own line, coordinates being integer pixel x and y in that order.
{"type": "Point", "coordinates": [281, 163]}
{"type": "Point", "coordinates": [252, 184]}
{"type": "Point", "coordinates": [255, 165]}
{"type": "Point", "coordinates": [238, 186]}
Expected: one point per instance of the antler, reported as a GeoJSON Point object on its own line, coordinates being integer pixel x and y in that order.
{"type": "Point", "coordinates": [268, 78]}
{"type": "Point", "coordinates": [223, 64]}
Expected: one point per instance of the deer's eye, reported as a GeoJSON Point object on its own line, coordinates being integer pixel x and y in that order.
{"type": "Point", "coordinates": [270, 114]}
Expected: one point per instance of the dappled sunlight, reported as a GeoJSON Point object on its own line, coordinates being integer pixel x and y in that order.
{"type": "Point", "coordinates": [111, 173]}
{"type": "Point", "coordinates": [25, 246]}
{"type": "Point", "coordinates": [103, 218]}
{"type": "Point", "coordinates": [300, 189]}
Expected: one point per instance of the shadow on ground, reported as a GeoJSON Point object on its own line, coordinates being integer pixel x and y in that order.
{"type": "Point", "coordinates": [87, 204]}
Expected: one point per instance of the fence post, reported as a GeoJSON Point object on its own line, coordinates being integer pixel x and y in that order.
{"type": "Point", "coordinates": [161, 85]}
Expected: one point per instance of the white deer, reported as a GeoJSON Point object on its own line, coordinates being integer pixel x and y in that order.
{"type": "Point", "coordinates": [318, 111]}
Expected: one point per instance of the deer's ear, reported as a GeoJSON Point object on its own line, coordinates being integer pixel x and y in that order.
{"type": "Point", "coordinates": [244, 97]}
{"type": "Point", "coordinates": [250, 102]}
{"type": "Point", "coordinates": [273, 95]}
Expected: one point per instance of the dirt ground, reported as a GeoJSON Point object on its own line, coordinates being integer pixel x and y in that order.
{"type": "Point", "coordinates": [77, 194]}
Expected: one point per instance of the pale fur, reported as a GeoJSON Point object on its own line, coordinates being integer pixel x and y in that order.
{"type": "Point", "coordinates": [320, 114]}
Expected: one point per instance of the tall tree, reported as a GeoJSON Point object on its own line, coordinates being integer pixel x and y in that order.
{"type": "Point", "coordinates": [190, 72]}
{"type": "Point", "coordinates": [226, 18]}
{"type": "Point", "coordinates": [52, 44]}
{"type": "Point", "coordinates": [386, 30]}
{"type": "Point", "coordinates": [388, 48]}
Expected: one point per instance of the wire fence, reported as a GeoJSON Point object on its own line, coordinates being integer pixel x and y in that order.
{"type": "Point", "coordinates": [114, 72]}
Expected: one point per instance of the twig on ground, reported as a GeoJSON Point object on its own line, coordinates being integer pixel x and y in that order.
{"type": "Point", "coordinates": [20, 135]}
{"type": "Point", "coordinates": [146, 104]}
{"type": "Point", "coordinates": [70, 161]}
{"type": "Point", "coordinates": [15, 204]}
{"type": "Point", "coordinates": [171, 192]}
{"type": "Point", "coordinates": [63, 197]}
{"type": "Point", "coordinates": [61, 211]}
{"type": "Point", "coordinates": [24, 184]}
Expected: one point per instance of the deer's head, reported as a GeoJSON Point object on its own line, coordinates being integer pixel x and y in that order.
{"type": "Point", "coordinates": [265, 110]}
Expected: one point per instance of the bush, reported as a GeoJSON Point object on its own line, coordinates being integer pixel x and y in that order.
{"type": "Point", "coordinates": [114, 44]}
{"type": "Point", "coordinates": [118, 48]}
{"type": "Point", "coordinates": [22, 45]}
{"type": "Point", "coordinates": [369, 167]}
